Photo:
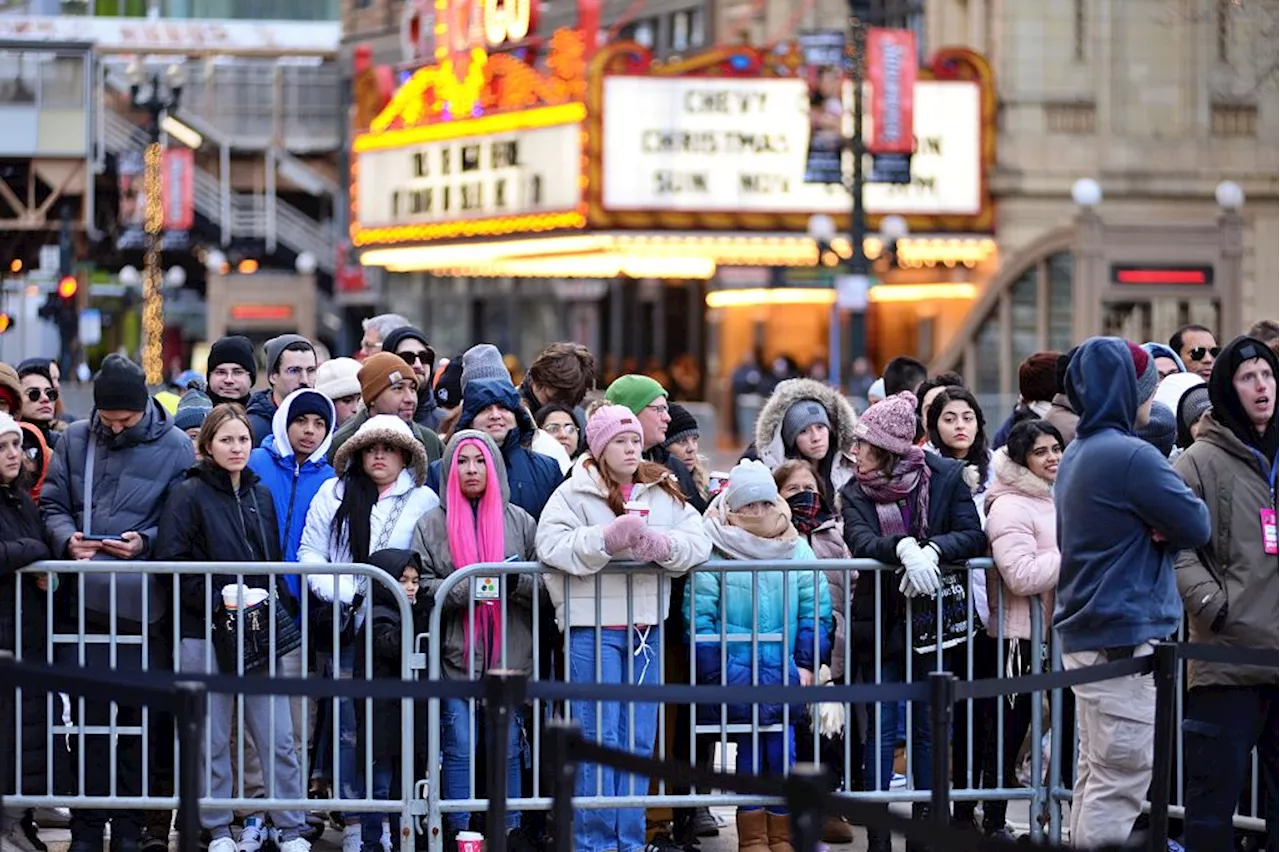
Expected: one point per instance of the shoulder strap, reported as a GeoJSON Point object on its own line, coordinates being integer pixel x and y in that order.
{"type": "Point", "coordinates": [384, 535]}
{"type": "Point", "coordinates": [91, 450]}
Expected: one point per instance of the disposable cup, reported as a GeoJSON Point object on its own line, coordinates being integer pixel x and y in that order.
{"type": "Point", "coordinates": [470, 841]}
{"type": "Point", "coordinates": [640, 510]}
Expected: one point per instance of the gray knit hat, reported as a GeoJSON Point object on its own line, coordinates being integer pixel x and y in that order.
{"type": "Point", "coordinates": [802, 415]}
{"type": "Point", "coordinates": [750, 482]}
{"type": "Point", "coordinates": [1191, 407]}
{"type": "Point", "coordinates": [275, 347]}
{"type": "Point", "coordinates": [483, 361]}
{"type": "Point", "coordinates": [1160, 429]}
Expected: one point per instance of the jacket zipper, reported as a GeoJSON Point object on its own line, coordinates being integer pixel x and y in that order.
{"type": "Point", "coordinates": [288, 517]}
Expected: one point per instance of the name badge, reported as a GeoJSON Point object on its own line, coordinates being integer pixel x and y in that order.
{"type": "Point", "coordinates": [1269, 542]}
{"type": "Point", "coordinates": [488, 589]}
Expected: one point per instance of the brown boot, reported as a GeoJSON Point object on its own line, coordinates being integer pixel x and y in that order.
{"type": "Point", "coordinates": [836, 830]}
{"type": "Point", "coordinates": [779, 832]}
{"type": "Point", "coordinates": [753, 831]}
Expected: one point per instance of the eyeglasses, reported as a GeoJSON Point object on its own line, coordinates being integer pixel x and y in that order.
{"type": "Point", "coordinates": [1199, 352]}
{"type": "Point", "coordinates": [416, 357]}
{"type": "Point", "coordinates": [659, 409]}
{"type": "Point", "coordinates": [561, 429]}
{"type": "Point", "coordinates": [230, 373]}
{"type": "Point", "coordinates": [34, 394]}
{"type": "Point", "coordinates": [299, 372]}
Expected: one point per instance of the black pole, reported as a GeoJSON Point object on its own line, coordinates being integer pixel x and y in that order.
{"type": "Point", "coordinates": [858, 264]}
{"type": "Point", "coordinates": [942, 698]}
{"type": "Point", "coordinates": [1166, 680]}
{"type": "Point", "coordinates": [807, 792]}
{"type": "Point", "coordinates": [560, 736]}
{"type": "Point", "coordinates": [190, 717]}
{"type": "Point", "coordinates": [504, 691]}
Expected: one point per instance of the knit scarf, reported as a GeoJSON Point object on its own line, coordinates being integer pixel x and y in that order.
{"type": "Point", "coordinates": [476, 535]}
{"type": "Point", "coordinates": [767, 537]}
{"type": "Point", "coordinates": [806, 511]}
{"type": "Point", "coordinates": [910, 476]}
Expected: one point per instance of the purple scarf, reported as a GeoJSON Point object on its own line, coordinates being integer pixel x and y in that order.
{"type": "Point", "coordinates": [910, 475]}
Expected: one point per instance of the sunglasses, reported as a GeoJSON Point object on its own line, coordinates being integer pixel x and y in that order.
{"type": "Point", "coordinates": [34, 394]}
{"type": "Point", "coordinates": [415, 357]}
{"type": "Point", "coordinates": [1199, 352]}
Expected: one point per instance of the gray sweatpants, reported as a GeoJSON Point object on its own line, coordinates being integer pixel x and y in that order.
{"type": "Point", "coordinates": [278, 741]}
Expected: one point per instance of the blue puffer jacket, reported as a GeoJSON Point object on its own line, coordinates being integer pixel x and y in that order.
{"type": "Point", "coordinates": [767, 616]}
{"type": "Point", "coordinates": [533, 477]}
{"type": "Point", "coordinates": [293, 486]}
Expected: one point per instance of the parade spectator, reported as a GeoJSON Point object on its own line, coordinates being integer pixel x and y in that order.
{"type": "Point", "coordinates": [1037, 386]}
{"type": "Point", "coordinates": [957, 429]}
{"type": "Point", "coordinates": [388, 386]}
{"type": "Point", "coordinates": [647, 400]}
{"type": "Point", "coordinates": [232, 370]}
{"type": "Point", "coordinates": [1196, 347]}
{"type": "Point", "coordinates": [1168, 362]}
{"type": "Point", "coordinates": [1267, 331]}
{"type": "Point", "coordinates": [1193, 410]}
{"type": "Point", "coordinates": [876, 392]}
{"type": "Point", "coordinates": [10, 391]}
{"type": "Point", "coordinates": [1169, 393]}
{"type": "Point", "coordinates": [291, 364]}
{"type": "Point", "coordinates": [1022, 529]}
{"type": "Point", "coordinates": [337, 379]}
{"type": "Point", "coordinates": [561, 422]}
{"type": "Point", "coordinates": [903, 374]}
{"type": "Point", "coordinates": [221, 512]}
{"type": "Point", "coordinates": [1230, 591]}
{"type": "Point", "coordinates": [36, 458]}
{"type": "Point", "coordinates": [749, 520]}
{"type": "Point", "coordinates": [40, 399]}
{"type": "Point", "coordinates": [1062, 413]}
{"type": "Point", "coordinates": [808, 420]}
{"type": "Point", "coordinates": [584, 526]}
{"type": "Point", "coordinates": [910, 508]}
{"type": "Point", "coordinates": [477, 521]}
{"type": "Point", "coordinates": [861, 377]}
{"type": "Point", "coordinates": [681, 443]}
{"type": "Point", "coordinates": [411, 345]}
{"type": "Point", "coordinates": [1160, 429]}
{"type": "Point", "coordinates": [193, 408]}
{"type": "Point", "coordinates": [449, 388]}
{"type": "Point", "coordinates": [1122, 514]}
{"type": "Point", "coordinates": [111, 475]}
{"type": "Point", "coordinates": [22, 542]}
{"type": "Point", "coordinates": [930, 388]}
{"type": "Point", "coordinates": [562, 374]}
{"type": "Point", "coordinates": [375, 331]}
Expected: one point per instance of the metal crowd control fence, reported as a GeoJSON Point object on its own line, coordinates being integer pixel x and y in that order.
{"type": "Point", "coordinates": [110, 748]}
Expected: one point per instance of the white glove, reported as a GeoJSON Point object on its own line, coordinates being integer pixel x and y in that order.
{"type": "Point", "coordinates": [921, 576]}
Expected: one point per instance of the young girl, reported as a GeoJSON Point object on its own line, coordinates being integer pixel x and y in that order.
{"type": "Point", "coordinates": [220, 512]}
{"type": "Point", "coordinates": [749, 520]}
{"type": "Point", "coordinates": [477, 522]}
{"type": "Point", "coordinates": [584, 526]}
{"type": "Point", "coordinates": [910, 508]}
{"type": "Point", "coordinates": [810, 421]}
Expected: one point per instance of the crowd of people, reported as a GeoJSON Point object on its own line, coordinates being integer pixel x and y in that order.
{"type": "Point", "coordinates": [1131, 488]}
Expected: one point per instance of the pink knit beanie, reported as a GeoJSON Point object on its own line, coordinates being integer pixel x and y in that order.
{"type": "Point", "coordinates": [889, 424]}
{"type": "Point", "coordinates": [607, 423]}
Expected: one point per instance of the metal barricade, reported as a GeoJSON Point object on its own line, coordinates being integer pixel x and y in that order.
{"type": "Point", "coordinates": [116, 757]}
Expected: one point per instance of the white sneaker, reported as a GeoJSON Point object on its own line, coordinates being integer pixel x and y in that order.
{"type": "Point", "coordinates": [352, 838]}
{"type": "Point", "coordinates": [297, 844]}
{"type": "Point", "coordinates": [898, 781]}
{"type": "Point", "coordinates": [53, 817]}
{"type": "Point", "coordinates": [222, 844]}
{"type": "Point", "coordinates": [252, 836]}
{"type": "Point", "coordinates": [386, 836]}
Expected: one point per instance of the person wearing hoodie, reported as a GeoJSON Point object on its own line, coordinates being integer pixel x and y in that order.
{"type": "Point", "coordinates": [586, 525]}
{"type": "Point", "coordinates": [749, 520]}
{"type": "Point", "coordinates": [291, 364]}
{"type": "Point", "coordinates": [806, 419]}
{"type": "Point", "coordinates": [1122, 514]}
{"type": "Point", "coordinates": [1230, 591]}
{"type": "Point", "coordinates": [232, 370]}
{"type": "Point", "coordinates": [22, 542]}
{"type": "Point", "coordinates": [411, 345]}
{"type": "Point", "coordinates": [1168, 362]}
{"type": "Point", "coordinates": [36, 456]}
{"type": "Point", "coordinates": [484, 361]}
{"type": "Point", "coordinates": [221, 512]}
{"type": "Point", "coordinates": [493, 406]}
{"type": "Point", "coordinates": [477, 522]}
{"type": "Point", "coordinates": [910, 508]}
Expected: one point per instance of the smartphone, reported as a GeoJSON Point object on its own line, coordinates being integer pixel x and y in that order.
{"type": "Point", "coordinates": [101, 538]}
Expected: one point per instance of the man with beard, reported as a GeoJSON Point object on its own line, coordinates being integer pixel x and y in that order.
{"type": "Point", "coordinates": [411, 345]}
{"type": "Point", "coordinates": [388, 385]}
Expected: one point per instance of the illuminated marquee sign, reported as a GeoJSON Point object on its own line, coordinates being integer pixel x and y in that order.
{"type": "Point", "coordinates": [710, 144]}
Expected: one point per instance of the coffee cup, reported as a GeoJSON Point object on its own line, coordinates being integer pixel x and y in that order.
{"type": "Point", "coordinates": [640, 510]}
{"type": "Point", "coordinates": [470, 841]}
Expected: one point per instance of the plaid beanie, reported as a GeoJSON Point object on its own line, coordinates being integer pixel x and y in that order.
{"type": "Point", "coordinates": [683, 425]}
{"type": "Point", "coordinates": [634, 392]}
{"type": "Point", "coordinates": [890, 424]}
{"type": "Point", "coordinates": [802, 415]}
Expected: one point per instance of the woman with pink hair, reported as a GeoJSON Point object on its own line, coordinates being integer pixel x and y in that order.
{"type": "Point", "coordinates": [476, 523]}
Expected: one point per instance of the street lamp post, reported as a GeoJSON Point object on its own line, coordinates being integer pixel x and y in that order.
{"type": "Point", "coordinates": [157, 96]}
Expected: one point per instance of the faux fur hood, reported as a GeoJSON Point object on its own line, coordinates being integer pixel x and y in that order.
{"type": "Point", "coordinates": [769, 424]}
{"type": "Point", "coordinates": [1012, 478]}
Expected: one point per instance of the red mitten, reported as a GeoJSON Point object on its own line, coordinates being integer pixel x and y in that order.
{"type": "Point", "coordinates": [622, 532]}
{"type": "Point", "coordinates": [651, 546]}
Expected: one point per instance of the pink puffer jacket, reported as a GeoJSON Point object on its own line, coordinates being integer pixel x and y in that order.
{"type": "Point", "coordinates": [1023, 533]}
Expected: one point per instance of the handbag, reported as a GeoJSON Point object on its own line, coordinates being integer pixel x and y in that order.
{"type": "Point", "coordinates": [953, 598]}
{"type": "Point", "coordinates": [255, 621]}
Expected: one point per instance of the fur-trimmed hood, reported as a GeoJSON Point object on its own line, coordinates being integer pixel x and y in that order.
{"type": "Point", "coordinates": [388, 429]}
{"type": "Point", "coordinates": [1012, 478]}
{"type": "Point", "coordinates": [769, 444]}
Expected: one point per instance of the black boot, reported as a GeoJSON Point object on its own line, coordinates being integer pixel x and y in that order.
{"type": "Point", "coordinates": [920, 812]}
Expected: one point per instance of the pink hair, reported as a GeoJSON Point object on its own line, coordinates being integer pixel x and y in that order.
{"type": "Point", "coordinates": [475, 534]}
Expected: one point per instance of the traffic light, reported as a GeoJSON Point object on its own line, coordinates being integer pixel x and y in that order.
{"type": "Point", "coordinates": [6, 321]}
{"type": "Point", "coordinates": [67, 287]}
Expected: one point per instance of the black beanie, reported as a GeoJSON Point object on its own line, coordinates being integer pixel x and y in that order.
{"type": "Point", "coordinates": [449, 385]}
{"type": "Point", "coordinates": [235, 349]}
{"type": "Point", "coordinates": [682, 425]}
{"type": "Point", "coordinates": [408, 332]}
{"type": "Point", "coordinates": [307, 401]}
{"type": "Point", "coordinates": [120, 386]}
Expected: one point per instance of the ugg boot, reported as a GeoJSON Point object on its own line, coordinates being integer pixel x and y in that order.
{"type": "Point", "coordinates": [836, 830]}
{"type": "Point", "coordinates": [753, 831]}
{"type": "Point", "coordinates": [779, 826]}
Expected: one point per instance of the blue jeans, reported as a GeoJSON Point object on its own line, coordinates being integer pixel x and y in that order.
{"type": "Point", "coordinates": [371, 824]}
{"type": "Point", "coordinates": [347, 780]}
{"type": "Point", "coordinates": [632, 727]}
{"type": "Point", "coordinates": [883, 742]}
{"type": "Point", "coordinates": [457, 753]}
{"type": "Point", "coordinates": [767, 758]}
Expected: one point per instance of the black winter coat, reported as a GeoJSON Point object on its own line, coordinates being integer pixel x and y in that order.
{"type": "Point", "coordinates": [22, 542]}
{"type": "Point", "coordinates": [206, 520]}
{"type": "Point", "coordinates": [262, 411]}
{"type": "Point", "coordinates": [954, 527]}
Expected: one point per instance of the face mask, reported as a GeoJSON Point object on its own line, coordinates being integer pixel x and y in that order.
{"type": "Point", "coordinates": [805, 507]}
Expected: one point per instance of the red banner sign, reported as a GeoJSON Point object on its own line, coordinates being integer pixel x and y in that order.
{"type": "Point", "coordinates": [891, 68]}
{"type": "Point", "coordinates": [179, 198]}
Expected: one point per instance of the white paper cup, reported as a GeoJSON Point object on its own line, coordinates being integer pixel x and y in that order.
{"type": "Point", "coordinates": [470, 841]}
{"type": "Point", "coordinates": [640, 510]}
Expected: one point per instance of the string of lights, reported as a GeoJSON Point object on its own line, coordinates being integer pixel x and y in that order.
{"type": "Point", "coordinates": [152, 295]}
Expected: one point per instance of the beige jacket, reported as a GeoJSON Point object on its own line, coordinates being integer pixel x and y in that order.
{"type": "Point", "coordinates": [571, 540]}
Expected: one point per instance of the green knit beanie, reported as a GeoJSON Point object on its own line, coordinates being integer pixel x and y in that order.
{"type": "Point", "coordinates": [634, 392]}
